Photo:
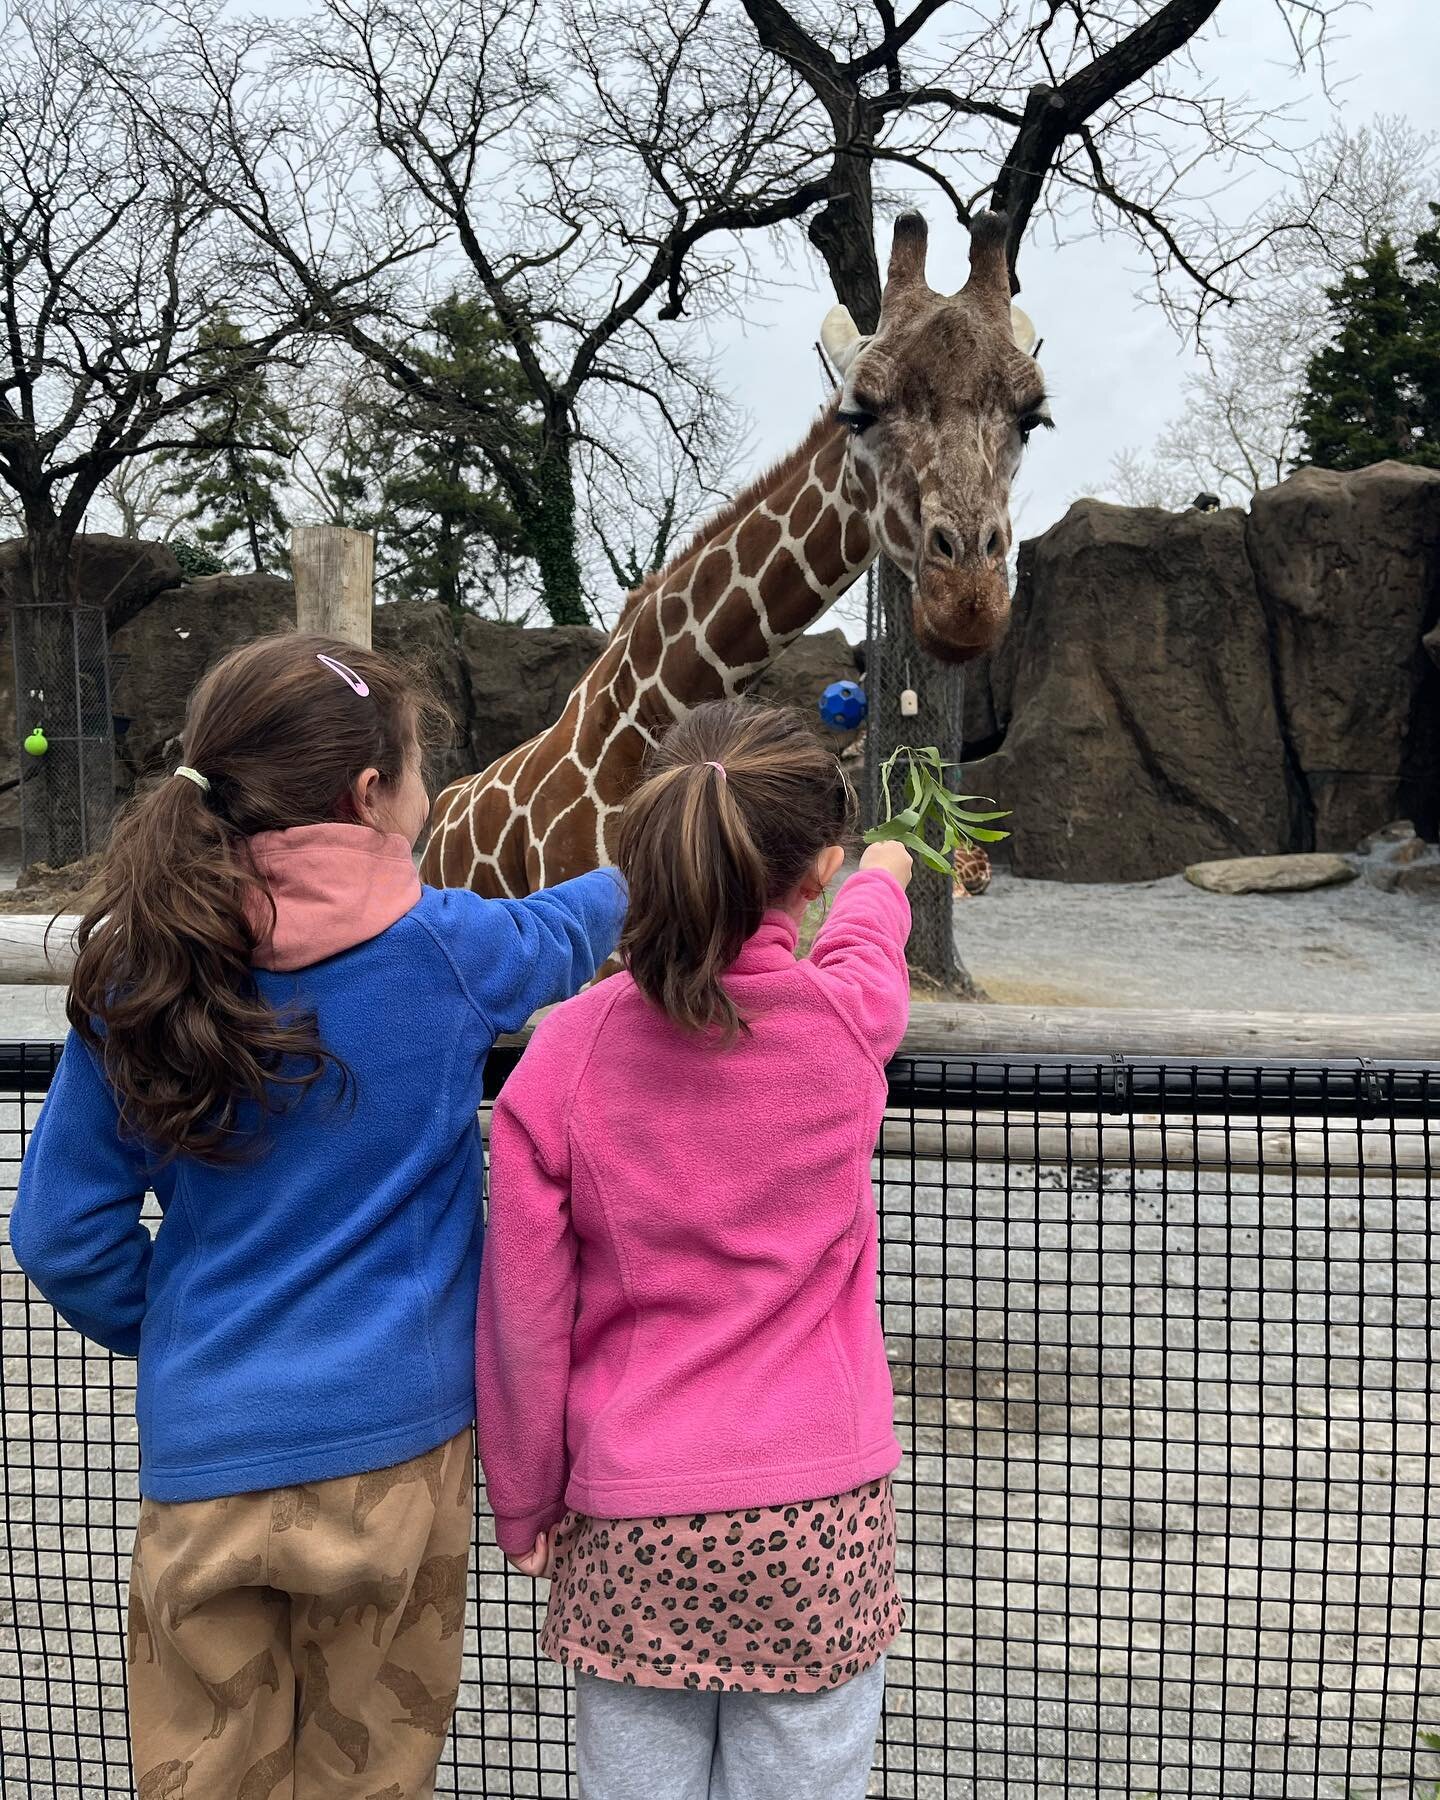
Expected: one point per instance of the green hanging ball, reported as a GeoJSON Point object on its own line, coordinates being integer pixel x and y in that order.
{"type": "Point", "coordinates": [37, 743]}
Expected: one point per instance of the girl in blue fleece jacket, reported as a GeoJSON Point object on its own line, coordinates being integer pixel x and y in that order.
{"type": "Point", "coordinates": [283, 1035]}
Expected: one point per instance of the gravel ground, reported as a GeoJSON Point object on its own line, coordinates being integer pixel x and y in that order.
{"type": "Point", "coordinates": [1167, 944]}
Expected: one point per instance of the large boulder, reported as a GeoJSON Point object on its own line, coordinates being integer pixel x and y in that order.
{"type": "Point", "coordinates": [520, 679]}
{"type": "Point", "coordinates": [801, 674]}
{"type": "Point", "coordinates": [1348, 572]}
{"type": "Point", "coordinates": [988, 689]}
{"type": "Point", "coordinates": [422, 634]}
{"type": "Point", "coordinates": [156, 660]}
{"type": "Point", "coordinates": [1138, 717]}
{"type": "Point", "coordinates": [121, 574]}
{"type": "Point", "coordinates": [1272, 874]}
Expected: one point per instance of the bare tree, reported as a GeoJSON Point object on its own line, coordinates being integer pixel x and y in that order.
{"type": "Point", "coordinates": [584, 183]}
{"type": "Point", "coordinates": [1029, 108]}
{"type": "Point", "coordinates": [1238, 430]}
{"type": "Point", "coordinates": [111, 260]}
{"type": "Point", "coordinates": [1065, 108]}
{"type": "Point", "coordinates": [134, 501]}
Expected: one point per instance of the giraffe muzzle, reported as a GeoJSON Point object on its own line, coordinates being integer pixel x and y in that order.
{"type": "Point", "coordinates": [961, 608]}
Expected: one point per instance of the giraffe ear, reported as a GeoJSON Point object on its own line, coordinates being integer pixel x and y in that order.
{"type": "Point", "coordinates": [840, 337]}
{"type": "Point", "coordinates": [1023, 330]}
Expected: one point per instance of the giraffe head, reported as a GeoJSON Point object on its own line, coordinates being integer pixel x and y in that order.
{"type": "Point", "coordinates": [940, 402]}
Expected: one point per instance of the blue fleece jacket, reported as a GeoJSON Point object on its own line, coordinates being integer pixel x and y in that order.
{"type": "Point", "coordinates": [310, 1313]}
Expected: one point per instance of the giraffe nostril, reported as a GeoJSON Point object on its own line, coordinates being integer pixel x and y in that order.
{"type": "Point", "coordinates": [941, 544]}
{"type": "Point", "coordinates": [994, 545]}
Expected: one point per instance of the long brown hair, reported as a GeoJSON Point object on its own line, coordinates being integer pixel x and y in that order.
{"type": "Point", "coordinates": [163, 988]}
{"type": "Point", "coordinates": [706, 853]}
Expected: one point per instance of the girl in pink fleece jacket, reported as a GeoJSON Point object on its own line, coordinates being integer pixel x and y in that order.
{"type": "Point", "coordinates": [685, 1411]}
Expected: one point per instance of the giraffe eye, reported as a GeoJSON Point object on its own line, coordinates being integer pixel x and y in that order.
{"type": "Point", "coordinates": [856, 420]}
{"type": "Point", "coordinates": [1038, 418]}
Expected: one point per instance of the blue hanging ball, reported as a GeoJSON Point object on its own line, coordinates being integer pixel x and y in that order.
{"type": "Point", "coordinates": [844, 705]}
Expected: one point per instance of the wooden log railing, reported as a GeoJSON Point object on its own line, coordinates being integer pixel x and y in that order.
{"type": "Point", "coordinates": [32, 951]}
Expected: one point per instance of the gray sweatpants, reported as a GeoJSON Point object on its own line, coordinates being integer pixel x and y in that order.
{"type": "Point", "coordinates": [639, 1743]}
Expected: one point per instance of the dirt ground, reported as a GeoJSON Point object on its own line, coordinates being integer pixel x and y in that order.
{"type": "Point", "coordinates": [1170, 945]}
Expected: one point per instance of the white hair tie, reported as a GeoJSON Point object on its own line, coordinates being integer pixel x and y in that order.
{"type": "Point", "coordinates": [195, 776]}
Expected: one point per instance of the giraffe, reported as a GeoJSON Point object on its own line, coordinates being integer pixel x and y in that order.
{"type": "Point", "coordinates": [914, 456]}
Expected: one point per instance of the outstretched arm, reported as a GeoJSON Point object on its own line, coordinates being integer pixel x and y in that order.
{"type": "Point", "coordinates": [516, 956]}
{"type": "Point", "coordinates": [76, 1228]}
{"type": "Point", "coordinates": [859, 953]}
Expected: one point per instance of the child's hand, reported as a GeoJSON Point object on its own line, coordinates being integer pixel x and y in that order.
{"type": "Point", "coordinates": [894, 858]}
{"type": "Point", "coordinates": [535, 1563]}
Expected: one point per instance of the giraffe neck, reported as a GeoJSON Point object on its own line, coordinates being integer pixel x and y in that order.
{"type": "Point", "coordinates": [709, 625]}
{"type": "Point", "coordinates": [703, 629]}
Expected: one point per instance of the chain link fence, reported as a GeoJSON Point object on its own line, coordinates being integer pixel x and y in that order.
{"type": "Point", "coordinates": [62, 693]}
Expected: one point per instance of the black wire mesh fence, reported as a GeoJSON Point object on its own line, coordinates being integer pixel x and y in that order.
{"type": "Point", "coordinates": [1162, 1340]}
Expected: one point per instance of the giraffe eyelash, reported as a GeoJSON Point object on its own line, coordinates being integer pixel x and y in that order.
{"type": "Point", "coordinates": [1036, 419]}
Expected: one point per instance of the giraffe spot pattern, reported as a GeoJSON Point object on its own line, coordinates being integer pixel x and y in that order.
{"type": "Point", "coordinates": [734, 598]}
{"type": "Point", "coordinates": [796, 1598]}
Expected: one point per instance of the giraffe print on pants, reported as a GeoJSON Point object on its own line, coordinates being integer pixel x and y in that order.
{"type": "Point", "coordinates": [302, 1644]}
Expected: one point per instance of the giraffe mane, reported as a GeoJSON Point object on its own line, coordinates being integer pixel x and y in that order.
{"type": "Point", "coordinates": [731, 512]}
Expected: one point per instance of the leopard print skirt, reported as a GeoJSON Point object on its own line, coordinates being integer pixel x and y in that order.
{"type": "Point", "coordinates": [777, 1599]}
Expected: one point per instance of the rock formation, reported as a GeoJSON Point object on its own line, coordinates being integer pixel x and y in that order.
{"type": "Point", "coordinates": [1178, 688]}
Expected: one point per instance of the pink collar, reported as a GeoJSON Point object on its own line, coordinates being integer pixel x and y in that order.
{"type": "Point", "coordinates": [334, 886]}
{"type": "Point", "coordinates": [771, 948]}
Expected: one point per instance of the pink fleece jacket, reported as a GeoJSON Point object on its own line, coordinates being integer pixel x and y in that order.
{"type": "Point", "coordinates": [677, 1299]}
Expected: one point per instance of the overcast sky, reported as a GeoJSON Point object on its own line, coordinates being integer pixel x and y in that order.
{"type": "Point", "coordinates": [1114, 366]}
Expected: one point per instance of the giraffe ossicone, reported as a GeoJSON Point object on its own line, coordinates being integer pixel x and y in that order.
{"type": "Point", "coordinates": [914, 457]}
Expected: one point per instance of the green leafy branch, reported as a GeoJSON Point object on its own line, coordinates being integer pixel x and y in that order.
{"type": "Point", "coordinates": [929, 801]}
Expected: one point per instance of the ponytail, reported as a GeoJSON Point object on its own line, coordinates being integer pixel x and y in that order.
{"type": "Point", "coordinates": [164, 990]}
{"type": "Point", "coordinates": [741, 802]}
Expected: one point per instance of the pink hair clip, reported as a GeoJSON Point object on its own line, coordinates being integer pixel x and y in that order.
{"type": "Point", "coordinates": [346, 674]}
{"type": "Point", "coordinates": [719, 769]}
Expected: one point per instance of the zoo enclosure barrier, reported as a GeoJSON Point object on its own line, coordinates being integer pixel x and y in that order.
{"type": "Point", "coordinates": [61, 671]}
{"type": "Point", "coordinates": [1161, 1340]}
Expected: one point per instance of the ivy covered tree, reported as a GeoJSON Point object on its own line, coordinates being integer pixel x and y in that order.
{"type": "Point", "coordinates": [234, 473]}
{"type": "Point", "coordinates": [1373, 391]}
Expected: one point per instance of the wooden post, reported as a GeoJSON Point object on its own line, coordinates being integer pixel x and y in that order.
{"type": "Point", "coordinates": [334, 570]}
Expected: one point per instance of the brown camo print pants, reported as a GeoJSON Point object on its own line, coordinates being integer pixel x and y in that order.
{"type": "Point", "coordinates": [302, 1644]}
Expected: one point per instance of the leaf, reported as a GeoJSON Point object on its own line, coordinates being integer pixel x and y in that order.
{"type": "Point", "coordinates": [931, 857]}
{"type": "Point", "coordinates": [929, 803]}
{"type": "Point", "coordinates": [892, 831]}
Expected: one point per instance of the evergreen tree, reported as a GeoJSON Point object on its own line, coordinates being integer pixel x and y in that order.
{"type": "Point", "coordinates": [1373, 392]}
{"type": "Point", "coordinates": [425, 480]}
{"type": "Point", "coordinates": [232, 476]}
